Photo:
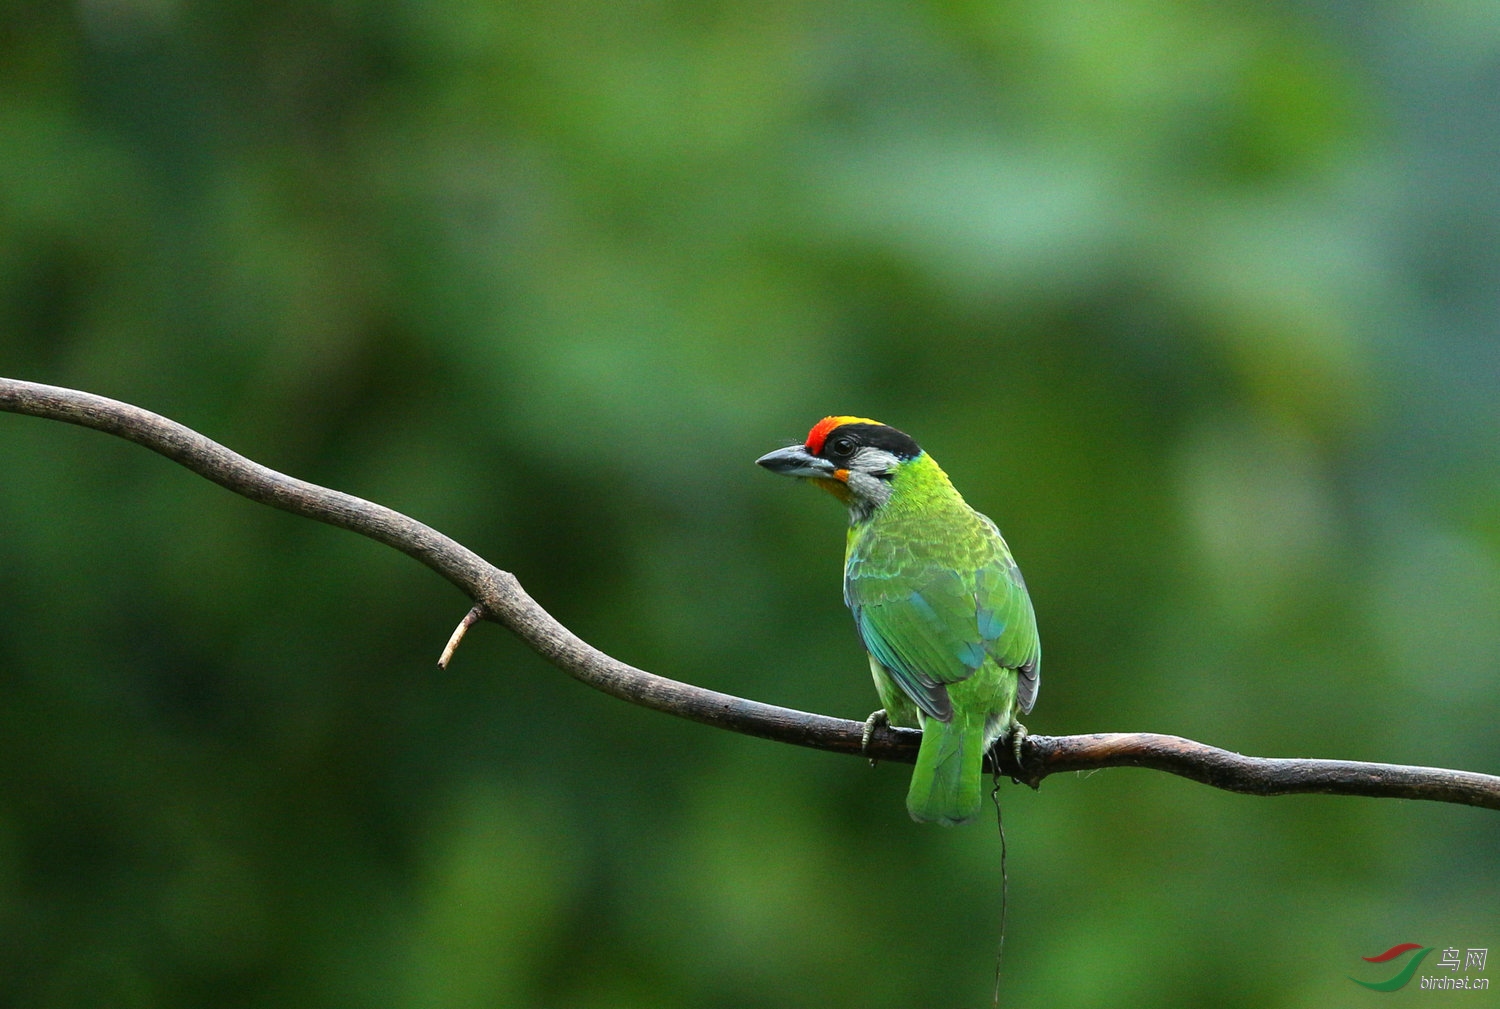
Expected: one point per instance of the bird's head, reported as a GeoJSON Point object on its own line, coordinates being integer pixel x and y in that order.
{"type": "Point", "coordinates": [853, 458]}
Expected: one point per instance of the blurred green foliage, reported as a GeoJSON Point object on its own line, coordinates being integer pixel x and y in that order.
{"type": "Point", "coordinates": [1195, 299]}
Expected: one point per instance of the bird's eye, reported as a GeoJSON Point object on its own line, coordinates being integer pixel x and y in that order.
{"type": "Point", "coordinates": [842, 446]}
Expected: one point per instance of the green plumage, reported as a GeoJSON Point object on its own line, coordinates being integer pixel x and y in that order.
{"type": "Point", "coordinates": [941, 607]}
{"type": "Point", "coordinates": [938, 601]}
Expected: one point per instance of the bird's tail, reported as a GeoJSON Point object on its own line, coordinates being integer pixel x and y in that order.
{"type": "Point", "coordinates": [946, 785]}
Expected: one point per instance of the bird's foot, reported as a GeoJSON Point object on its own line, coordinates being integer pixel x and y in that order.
{"type": "Point", "coordinates": [875, 721]}
{"type": "Point", "coordinates": [1018, 736]}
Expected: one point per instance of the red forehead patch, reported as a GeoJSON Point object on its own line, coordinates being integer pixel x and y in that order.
{"type": "Point", "coordinates": [824, 427]}
{"type": "Point", "coordinates": [819, 432]}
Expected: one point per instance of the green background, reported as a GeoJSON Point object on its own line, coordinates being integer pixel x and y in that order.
{"type": "Point", "coordinates": [1197, 300]}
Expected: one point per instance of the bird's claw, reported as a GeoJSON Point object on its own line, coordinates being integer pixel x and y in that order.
{"type": "Point", "coordinates": [1017, 741]}
{"type": "Point", "coordinates": [876, 720]}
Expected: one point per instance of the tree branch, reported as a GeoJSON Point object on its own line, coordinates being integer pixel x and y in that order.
{"type": "Point", "coordinates": [499, 597]}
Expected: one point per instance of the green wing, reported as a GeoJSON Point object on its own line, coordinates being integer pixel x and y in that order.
{"type": "Point", "coordinates": [1007, 621]}
{"type": "Point", "coordinates": [932, 605]}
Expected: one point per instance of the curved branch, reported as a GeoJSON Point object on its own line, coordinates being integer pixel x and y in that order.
{"type": "Point", "coordinates": [499, 597]}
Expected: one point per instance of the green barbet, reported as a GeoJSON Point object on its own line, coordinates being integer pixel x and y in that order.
{"type": "Point", "coordinates": [938, 602]}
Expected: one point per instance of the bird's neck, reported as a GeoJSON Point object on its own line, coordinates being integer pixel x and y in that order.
{"type": "Point", "coordinates": [920, 485]}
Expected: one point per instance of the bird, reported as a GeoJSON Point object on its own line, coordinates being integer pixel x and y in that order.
{"type": "Point", "coordinates": [938, 602]}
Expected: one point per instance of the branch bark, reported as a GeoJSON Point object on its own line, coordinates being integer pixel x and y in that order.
{"type": "Point", "coordinates": [500, 598]}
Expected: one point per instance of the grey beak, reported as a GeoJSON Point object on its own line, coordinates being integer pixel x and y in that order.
{"type": "Point", "coordinates": [795, 460]}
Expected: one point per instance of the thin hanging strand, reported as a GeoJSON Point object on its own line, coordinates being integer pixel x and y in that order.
{"type": "Point", "coordinates": [1004, 890]}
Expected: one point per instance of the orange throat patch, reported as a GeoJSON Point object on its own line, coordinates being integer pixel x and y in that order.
{"type": "Point", "coordinates": [836, 486]}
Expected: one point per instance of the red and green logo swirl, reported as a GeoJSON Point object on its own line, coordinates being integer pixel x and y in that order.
{"type": "Point", "coordinates": [1403, 975]}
